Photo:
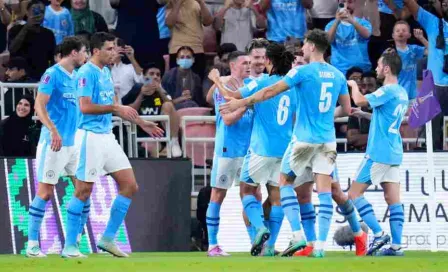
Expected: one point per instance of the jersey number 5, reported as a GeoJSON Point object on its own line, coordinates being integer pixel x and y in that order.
{"type": "Point", "coordinates": [399, 113]}
{"type": "Point", "coordinates": [325, 97]}
{"type": "Point", "coordinates": [283, 110]}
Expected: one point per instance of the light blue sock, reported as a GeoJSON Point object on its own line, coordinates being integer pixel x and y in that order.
{"type": "Point", "coordinates": [252, 233]}
{"type": "Point", "coordinates": [252, 208]}
{"type": "Point", "coordinates": [308, 216]}
{"type": "Point", "coordinates": [84, 215]}
{"type": "Point", "coordinates": [365, 210]}
{"type": "Point", "coordinates": [117, 214]}
{"type": "Point", "coordinates": [396, 222]}
{"type": "Point", "coordinates": [35, 215]}
{"type": "Point", "coordinates": [74, 210]}
{"type": "Point", "coordinates": [349, 213]}
{"type": "Point", "coordinates": [290, 206]}
{"type": "Point", "coordinates": [275, 223]}
{"type": "Point", "coordinates": [212, 219]}
{"type": "Point", "coordinates": [325, 215]}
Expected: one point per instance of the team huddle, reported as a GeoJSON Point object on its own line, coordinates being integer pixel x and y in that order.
{"type": "Point", "coordinates": [75, 108]}
{"type": "Point", "coordinates": [278, 129]}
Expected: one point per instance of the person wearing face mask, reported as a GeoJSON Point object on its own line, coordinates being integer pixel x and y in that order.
{"type": "Point", "coordinates": [182, 84]}
{"type": "Point", "coordinates": [18, 132]}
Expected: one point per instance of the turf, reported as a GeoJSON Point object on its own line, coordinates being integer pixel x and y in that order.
{"type": "Point", "coordinates": [184, 262]}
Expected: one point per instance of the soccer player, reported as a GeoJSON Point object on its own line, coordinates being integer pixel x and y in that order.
{"type": "Point", "coordinates": [384, 154]}
{"type": "Point", "coordinates": [233, 132]}
{"type": "Point", "coordinates": [56, 153]}
{"type": "Point", "coordinates": [257, 52]}
{"type": "Point", "coordinates": [271, 133]}
{"type": "Point", "coordinates": [313, 143]}
{"type": "Point", "coordinates": [99, 150]}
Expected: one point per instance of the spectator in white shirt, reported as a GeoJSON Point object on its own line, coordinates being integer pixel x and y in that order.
{"type": "Point", "coordinates": [125, 76]}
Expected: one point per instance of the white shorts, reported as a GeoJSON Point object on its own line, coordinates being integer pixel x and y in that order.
{"type": "Point", "coordinates": [99, 154]}
{"type": "Point", "coordinates": [308, 176]}
{"type": "Point", "coordinates": [375, 173]}
{"type": "Point", "coordinates": [51, 165]}
{"type": "Point", "coordinates": [225, 172]}
{"type": "Point", "coordinates": [319, 158]}
{"type": "Point", "coordinates": [260, 170]}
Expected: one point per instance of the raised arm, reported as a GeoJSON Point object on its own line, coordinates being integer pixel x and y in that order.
{"type": "Point", "coordinates": [412, 7]}
{"type": "Point", "coordinates": [207, 18]}
{"type": "Point", "coordinates": [172, 13]}
{"type": "Point", "coordinates": [357, 96]}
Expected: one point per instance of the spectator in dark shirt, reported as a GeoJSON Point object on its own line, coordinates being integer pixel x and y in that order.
{"type": "Point", "coordinates": [359, 124]}
{"type": "Point", "coordinates": [16, 72]}
{"type": "Point", "coordinates": [85, 19]}
{"type": "Point", "coordinates": [32, 41]}
{"type": "Point", "coordinates": [19, 133]}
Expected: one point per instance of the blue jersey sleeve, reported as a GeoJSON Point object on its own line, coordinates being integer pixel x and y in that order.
{"type": "Point", "coordinates": [85, 84]}
{"type": "Point", "coordinates": [295, 76]}
{"type": "Point", "coordinates": [429, 22]}
{"type": "Point", "coordinates": [379, 97]}
{"type": "Point", "coordinates": [47, 83]}
{"type": "Point", "coordinates": [249, 89]}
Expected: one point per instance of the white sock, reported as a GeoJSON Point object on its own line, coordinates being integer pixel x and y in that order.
{"type": "Point", "coordinates": [297, 236]}
{"type": "Point", "coordinates": [378, 234]}
{"type": "Point", "coordinates": [210, 247]}
{"type": "Point", "coordinates": [320, 245]}
{"type": "Point", "coordinates": [175, 140]}
{"type": "Point", "coordinates": [395, 247]}
{"type": "Point", "coordinates": [32, 243]}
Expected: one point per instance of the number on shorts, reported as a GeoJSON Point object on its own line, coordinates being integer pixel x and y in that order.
{"type": "Point", "coordinates": [283, 110]}
{"type": "Point", "coordinates": [399, 113]}
{"type": "Point", "coordinates": [325, 97]}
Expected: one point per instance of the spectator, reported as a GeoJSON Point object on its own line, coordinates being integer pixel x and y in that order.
{"type": "Point", "coordinates": [125, 75]}
{"type": "Point", "coordinates": [18, 132]}
{"type": "Point", "coordinates": [16, 72]}
{"type": "Point", "coordinates": [186, 19]}
{"type": "Point", "coordinates": [436, 29]}
{"type": "Point", "coordinates": [151, 99]}
{"type": "Point", "coordinates": [286, 18]}
{"type": "Point", "coordinates": [323, 12]}
{"type": "Point", "coordinates": [390, 11]}
{"type": "Point", "coordinates": [181, 83]}
{"type": "Point", "coordinates": [359, 123]}
{"type": "Point", "coordinates": [137, 26]}
{"type": "Point", "coordinates": [257, 52]}
{"type": "Point", "coordinates": [32, 41]}
{"type": "Point", "coordinates": [59, 20]}
{"type": "Point", "coordinates": [349, 36]}
{"type": "Point", "coordinates": [85, 19]}
{"type": "Point", "coordinates": [354, 73]}
{"type": "Point", "coordinates": [237, 21]}
{"type": "Point", "coordinates": [164, 31]}
{"type": "Point", "coordinates": [5, 17]}
{"type": "Point", "coordinates": [107, 12]}
{"type": "Point", "coordinates": [409, 54]}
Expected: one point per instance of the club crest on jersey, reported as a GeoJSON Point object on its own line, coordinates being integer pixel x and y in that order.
{"type": "Point", "coordinates": [45, 79]}
{"type": "Point", "coordinates": [82, 82]}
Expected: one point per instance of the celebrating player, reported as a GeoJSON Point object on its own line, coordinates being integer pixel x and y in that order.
{"type": "Point", "coordinates": [56, 152]}
{"type": "Point", "coordinates": [313, 144]}
{"type": "Point", "coordinates": [384, 154]}
{"type": "Point", "coordinates": [99, 150]}
{"type": "Point", "coordinates": [231, 143]}
{"type": "Point", "coordinates": [271, 133]}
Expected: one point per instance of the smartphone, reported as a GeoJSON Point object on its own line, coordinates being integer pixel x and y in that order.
{"type": "Point", "coordinates": [341, 7]}
{"type": "Point", "coordinates": [37, 11]}
{"type": "Point", "coordinates": [147, 81]}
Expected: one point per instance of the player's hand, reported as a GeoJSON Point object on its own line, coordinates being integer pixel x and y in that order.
{"type": "Point", "coordinates": [56, 140]}
{"type": "Point", "coordinates": [357, 112]}
{"type": "Point", "coordinates": [231, 106]}
{"type": "Point", "coordinates": [152, 129]}
{"type": "Point", "coordinates": [127, 113]}
{"type": "Point", "coordinates": [418, 33]}
{"type": "Point", "coordinates": [352, 83]}
{"type": "Point", "coordinates": [214, 75]}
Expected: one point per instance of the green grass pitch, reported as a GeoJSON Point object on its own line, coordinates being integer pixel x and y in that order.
{"type": "Point", "coordinates": [197, 261]}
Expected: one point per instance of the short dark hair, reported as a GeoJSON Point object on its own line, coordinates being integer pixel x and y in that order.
{"type": "Point", "coordinates": [226, 48]}
{"type": "Point", "coordinates": [185, 47]}
{"type": "Point", "coordinates": [369, 74]}
{"type": "Point", "coordinates": [57, 49]}
{"type": "Point", "coordinates": [352, 70]}
{"type": "Point", "coordinates": [319, 38]}
{"type": "Point", "coordinates": [235, 55]}
{"type": "Point", "coordinates": [281, 58]}
{"type": "Point", "coordinates": [393, 60]}
{"type": "Point", "coordinates": [152, 65]}
{"type": "Point", "coordinates": [98, 39]}
{"type": "Point", "coordinates": [256, 43]}
{"type": "Point", "coordinates": [69, 44]}
{"type": "Point", "coordinates": [34, 2]}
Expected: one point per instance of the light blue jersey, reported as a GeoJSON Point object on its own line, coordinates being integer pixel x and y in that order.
{"type": "Point", "coordinates": [97, 84]}
{"type": "Point", "coordinates": [382, 7]}
{"type": "Point", "coordinates": [60, 22]}
{"type": "Point", "coordinates": [62, 108]}
{"type": "Point", "coordinates": [286, 18]}
{"type": "Point", "coordinates": [232, 141]}
{"type": "Point", "coordinates": [408, 75]}
{"type": "Point", "coordinates": [349, 48]}
{"type": "Point", "coordinates": [435, 56]}
{"type": "Point", "coordinates": [163, 28]}
{"type": "Point", "coordinates": [390, 104]}
{"type": "Point", "coordinates": [273, 119]}
{"type": "Point", "coordinates": [318, 87]}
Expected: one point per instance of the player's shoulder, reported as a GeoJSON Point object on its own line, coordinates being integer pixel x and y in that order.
{"type": "Point", "coordinates": [338, 74]}
{"type": "Point", "coordinates": [50, 74]}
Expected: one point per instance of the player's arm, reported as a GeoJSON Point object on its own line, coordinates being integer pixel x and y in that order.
{"type": "Point", "coordinates": [215, 77]}
{"type": "Point", "coordinates": [40, 107]}
{"type": "Point", "coordinates": [357, 96]}
{"type": "Point", "coordinates": [233, 117]}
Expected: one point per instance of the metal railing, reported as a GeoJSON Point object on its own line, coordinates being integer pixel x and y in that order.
{"type": "Point", "coordinates": [167, 139]}
{"type": "Point", "coordinates": [5, 86]}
